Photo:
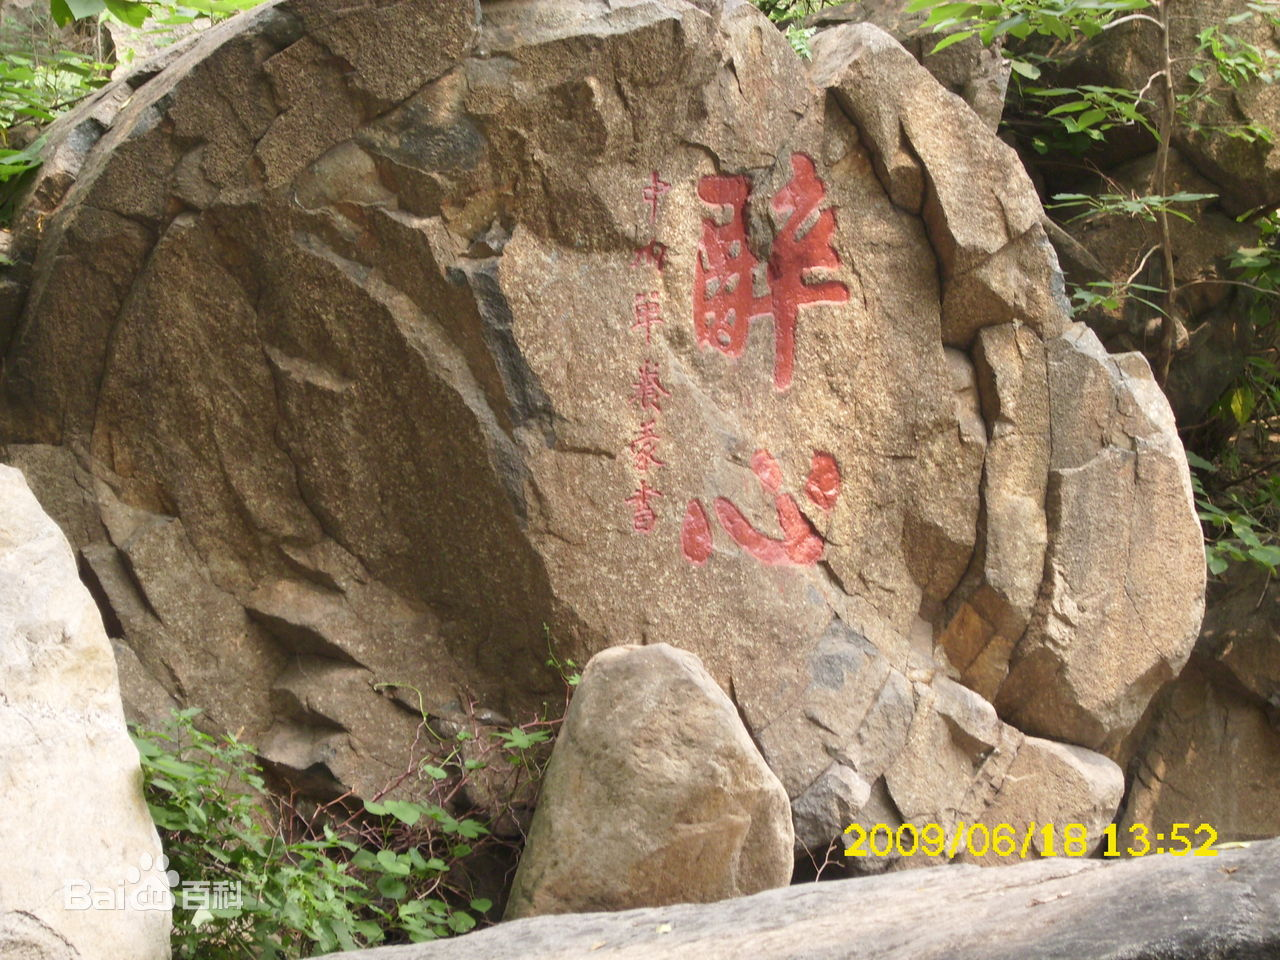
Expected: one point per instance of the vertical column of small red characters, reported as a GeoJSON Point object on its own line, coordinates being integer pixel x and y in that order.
{"type": "Point", "coordinates": [647, 391]}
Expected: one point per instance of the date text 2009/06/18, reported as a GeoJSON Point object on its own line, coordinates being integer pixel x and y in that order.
{"type": "Point", "coordinates": [1032, 840]}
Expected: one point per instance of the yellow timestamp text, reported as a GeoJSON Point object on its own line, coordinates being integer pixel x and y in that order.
{"type": "Point", "coordinates": [1032, 840]}
{"type": "Point", "coordinates": [1180, 840]}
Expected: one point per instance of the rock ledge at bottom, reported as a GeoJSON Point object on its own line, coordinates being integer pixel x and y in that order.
{"type": "Point", "coordinates": [1153, 908]}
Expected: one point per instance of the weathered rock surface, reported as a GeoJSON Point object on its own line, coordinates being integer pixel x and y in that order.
{"type": "Point", "coordinates": [1243, 632]}
{"type": "Point", "coordinates": [949, 760]}
{"type": "Point", "coordinates": [23, 937]}
{"type": "Point", "coordinates": [365, 342]}
{"type": "Point", "coordinates": [978, 75]}
{"type": "Point", "coordinates": [1153, 908]}
{"type": "Point", "coordinates": [1120, 562]}
{"type": "Point", "coordinates": [1108, 569]}
{"type": "Point", "coordinates": [76, 830]}
{"type": "Point", "coordinates": [1212, 757]}
{"type": "Point", "coordinates": [1082, 787]}
{"type": "Point", "coordinates": [1211, 751]}
{"type": "Point", "coordinates": [655, 795]}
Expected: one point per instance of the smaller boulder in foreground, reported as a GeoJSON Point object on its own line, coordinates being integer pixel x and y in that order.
{"type": "Point", "coordinates": [655, 794]}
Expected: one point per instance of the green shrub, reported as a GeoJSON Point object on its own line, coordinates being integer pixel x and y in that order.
{"type": "Point", "coordinates": [350, 874]}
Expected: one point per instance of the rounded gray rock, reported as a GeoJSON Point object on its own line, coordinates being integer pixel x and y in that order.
{"type": "Point", "coordinates": [655, 795]}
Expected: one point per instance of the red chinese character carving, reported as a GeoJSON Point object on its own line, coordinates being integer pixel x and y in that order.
{"type": "Point", "coordinates": [648, 312]}
{"type": "Point", "coordinates": [724, 300]}
{"type": "Point", "coordinates": [643, 516]}
{"type": "Point", "coordinates": [695, 534]}
{"type": "Point", "coordinates": [800, 544]}
{"type": "Point", "coordinates": [644, 448]}
{"type": "Point", "coordinates": [648, 391]}
{"type": "Point", "coordinates": [654, 252]}
{"type": "Point", "coordinates": [653, 192]}
{"type": "Point", "coordinates": [794, 255]}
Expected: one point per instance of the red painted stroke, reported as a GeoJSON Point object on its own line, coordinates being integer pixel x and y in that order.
{"type": "Point", "coordinates": [800, 546]}
{"type": "Point", "coordinates": [764, 549]}
{"type": "Point", "coordinates": [766, 468]}
{"type": "Point", "coordinates": [724, 301]}
{"type": "Point", "coordinates": [823, 485]}
{"type": "Point", "coordinates": [695, 534]}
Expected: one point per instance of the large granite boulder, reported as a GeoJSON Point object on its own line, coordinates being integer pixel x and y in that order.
{"type": "Point", "coordinates": [81, 878]}
{"type": "Point", "coordinates": [654, 795]}
{"type": "Point", "coordinates": [376, 344]}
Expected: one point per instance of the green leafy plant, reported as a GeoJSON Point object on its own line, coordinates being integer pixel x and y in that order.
{"type": "Point", "coordinates": [1111, 294]}
{"type": "Point", "coordinates": [1142, 208]}
{"type": "Point", "coordinates": [1072, 119]}
{"type": "Point", "coordinates": [40, 78]}
{"type": "Point", "coordinates": [1061, 20]}
{"type": "Point", "coordinates": [1238, 493]}
{"type": "Point", "coordinates": [520, 743]}
{"type": "Point", "coordinates": [136, 13]}
{"type": "Point", "coordinates": [790, 16]}
{"type": "Point", "coordinates": [348, 873]}
{"type": "Point", "coordinates": [1235, 61]}
{"type": "Point", "coordinates": [1239, 529]}
{"type": "Point", "coordinates": [1232, 62]}
{"type": "Point", "coordinates": [44, 70]}
{"type": "Point", "coordinates": [567, 668]}
{"type": "Point", "coordinates": [1258, 267]}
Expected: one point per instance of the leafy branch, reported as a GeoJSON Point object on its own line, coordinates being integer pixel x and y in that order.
{"type": "Point", "coordinates": [989, 21]}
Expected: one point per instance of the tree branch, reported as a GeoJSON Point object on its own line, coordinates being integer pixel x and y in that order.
{"type": "Point", "coordinates": [1137, 16]}
{"type": "Point", "coordinates": [1169, 321]}
{"type": "Point", "coordinates": [1230, 283]}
